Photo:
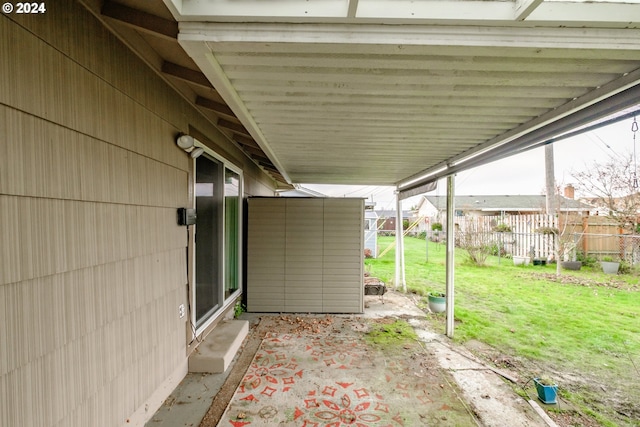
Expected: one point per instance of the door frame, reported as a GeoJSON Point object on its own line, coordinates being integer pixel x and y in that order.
{"type": "Point", "coordinates": [191, 250]}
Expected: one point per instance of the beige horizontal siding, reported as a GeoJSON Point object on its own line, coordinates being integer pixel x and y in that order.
{"type": "Point", "coordinates": [63, 164]}
{"type": "Point", "coordinates": [342, 256]}
{"type": "Point", "coordinates": [47, 84]}
{"type": "Point", "coordinates": [92, 263]}
{"type": "Point", "coordinates": [303, 264]}
{"type": "Point", "coordinates": [50, 236]}
{"type": "Point", "coordinates": [80, 330]}
{"type": "Point", "coordinates": [266, 256]}
{"type": "Point", "coordinates": [338, 277]}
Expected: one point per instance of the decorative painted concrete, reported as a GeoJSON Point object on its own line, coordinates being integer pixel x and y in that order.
{"type": "Point", "coordinates": [336, 380]}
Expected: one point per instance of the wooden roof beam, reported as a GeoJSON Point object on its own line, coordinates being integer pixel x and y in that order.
{"type": "Point", "coordinates": [140, 20]}
{"type": "Point", "coordinates": [214, 106]}
{"type": "Point", "coordinates": [268, 166]}
{"type": "Point", "coordinates": [186, 74]}
{"type": "Point", "coordinates": [244, 141]}
{"type": "Point", "coordinates": [256, 153]}
{"type": "Point", "coordinates": [233, 127]}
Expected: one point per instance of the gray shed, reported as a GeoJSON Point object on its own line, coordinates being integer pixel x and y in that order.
{"type": "Point", "coordinates": [305, 255]}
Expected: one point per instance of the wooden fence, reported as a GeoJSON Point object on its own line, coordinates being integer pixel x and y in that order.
{"type": "Point", "coordinates": [529, 236]}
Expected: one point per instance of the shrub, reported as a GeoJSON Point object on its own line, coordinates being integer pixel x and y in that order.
{"type": "Point", "coordinates": [367, 253]}
{"type": "Point", "coordinates": [587, 260]}
{"type": "Point", "coordinates": [547, 230]}
{"type": "Point", "coordinates": [238, 309]}
{"type": "Point", "coordinates": [493, 250]}
{"type": "Point", "coordinates": [436, 226]}
{"type": "Point", "coordinates": [502, 228]}
{"type": "Point", "coordinates": [625, 268]}
{"type": "Point", "coordinates": [477, 245]}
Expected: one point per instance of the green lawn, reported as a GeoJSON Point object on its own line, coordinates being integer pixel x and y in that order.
{"type": "Point", "coordinates": [590, 328]}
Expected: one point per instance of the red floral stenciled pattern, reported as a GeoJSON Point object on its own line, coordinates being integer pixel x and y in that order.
{"type": "Point", "coordinates": [336, 352]}
{"type": "Point", "coordinates": [271, 371]}
{"type": "Point", "coordinates": [330, 381]}
{"type": "Point", "coordinates": [344, 405]}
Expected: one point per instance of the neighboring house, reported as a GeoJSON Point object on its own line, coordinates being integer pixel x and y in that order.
{"type": "Point", "coordinates": [370, 231]}
{"type": "Point", "coordinates": [433, 208]}
{"type": "Point", "coordinates": [387, 219]}
{"type": "Point", "coordinates": [625, 207]}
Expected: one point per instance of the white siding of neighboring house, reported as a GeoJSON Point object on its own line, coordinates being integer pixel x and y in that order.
{"type": "Point", "coordinates": [371, 233]}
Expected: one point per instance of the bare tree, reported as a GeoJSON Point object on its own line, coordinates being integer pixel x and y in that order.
{"type": "Point", "coordinates": [565, 237]}
{"type": "Point", "coordinates": [614, 185]}
{"type": "Point", "coordinates": [564, 230]}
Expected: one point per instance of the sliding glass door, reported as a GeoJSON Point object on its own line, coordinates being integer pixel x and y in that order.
{"type": "Point", "coordinates": [218, 195]}
{"type": "Point", "coordinates": [231, 231]}
{"type": "Point", "coordinates": [207, 237]}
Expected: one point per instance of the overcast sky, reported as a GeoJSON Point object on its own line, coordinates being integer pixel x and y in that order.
{"type": "Point", "coordinates": [520, 174]}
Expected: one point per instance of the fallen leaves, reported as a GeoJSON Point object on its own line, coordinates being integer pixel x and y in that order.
{"type": "Point", "coordinates": [298, 325]}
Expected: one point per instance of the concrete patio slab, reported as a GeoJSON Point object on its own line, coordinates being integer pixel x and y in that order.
{"type": "Point", "coordinates": [480, 389]}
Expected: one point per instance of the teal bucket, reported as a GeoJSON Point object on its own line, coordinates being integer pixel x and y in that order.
{"type": "Point", "coordinates": [546, 393]}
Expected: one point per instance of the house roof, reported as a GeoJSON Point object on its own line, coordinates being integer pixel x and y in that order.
{"type": "Point", "coordinates": [535, 203]}
{"type": "Point", "coordinates": [387, 92]}
{"type": "Point", "coordinates": [390, 213]}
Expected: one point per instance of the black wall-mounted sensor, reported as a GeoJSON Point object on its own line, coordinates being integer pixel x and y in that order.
{"type": "Point", "coordinates": [186, 216]}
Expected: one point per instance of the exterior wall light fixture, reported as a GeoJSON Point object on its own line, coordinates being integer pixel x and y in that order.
{"type": "Point", "coordinates": [188, 144]}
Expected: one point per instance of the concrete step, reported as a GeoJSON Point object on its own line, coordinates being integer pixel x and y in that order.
{"type": "Point", "coordinates": [215, 353]}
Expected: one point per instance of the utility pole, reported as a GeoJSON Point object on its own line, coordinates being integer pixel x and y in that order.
{"type": "Point", "coordinates": [549, 179]}
{"type": "Point", "coordinates": [551, 199]}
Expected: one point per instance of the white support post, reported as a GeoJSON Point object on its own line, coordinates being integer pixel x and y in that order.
{"type": "Point", "coordinates": [403, 278]}
{"type": "Point", "coordinates": [450, 261]}
{"type": "Point", "coordinates": [397, 280]}
{"type": "Point", "coordinates": [400, 275]}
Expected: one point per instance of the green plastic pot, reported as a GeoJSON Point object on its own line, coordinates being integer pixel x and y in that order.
{"type": "Point", "coordinates": [437, 302]}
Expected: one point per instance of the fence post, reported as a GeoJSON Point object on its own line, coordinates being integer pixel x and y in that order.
{"type": "Point", "coordinates": [585, 226]}
{"type": "Point", "coordinates": [426, 243]}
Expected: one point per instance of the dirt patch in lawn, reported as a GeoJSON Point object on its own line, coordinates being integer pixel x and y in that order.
{"type": "Point", "coordinates": [568, 279]}
{"type": "Point", "coordinates": [594, 396]}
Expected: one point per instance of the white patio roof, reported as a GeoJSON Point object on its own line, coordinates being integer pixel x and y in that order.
{"type": "Point", "coordinates": [395, 92]}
